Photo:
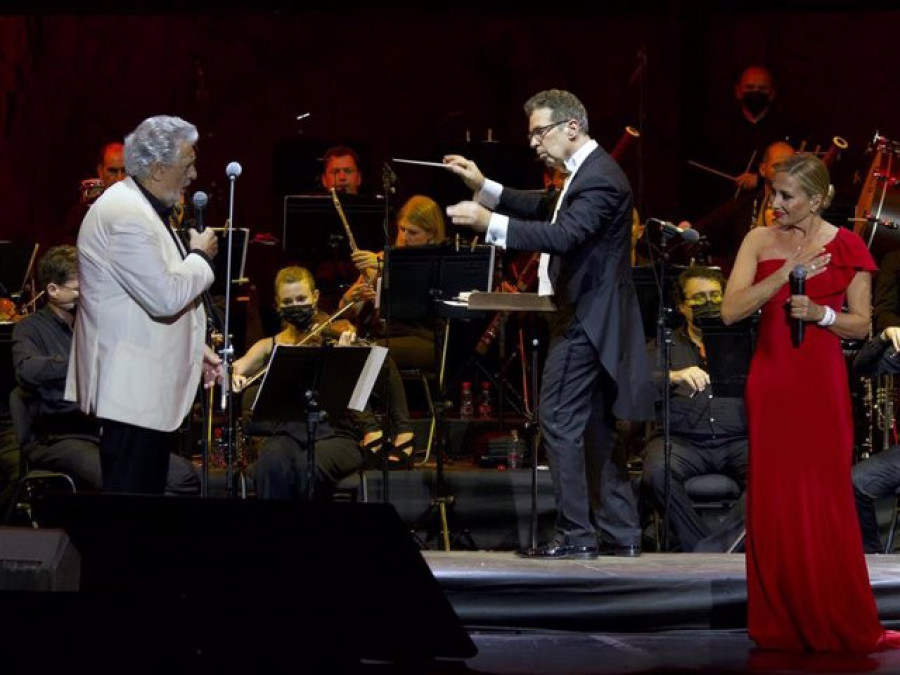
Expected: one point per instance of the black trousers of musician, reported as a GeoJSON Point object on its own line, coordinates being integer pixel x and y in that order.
{"type": "Point", "coordinates": [281, 471]}
{"type": "Point", "coordinates": [134, 459]}
{"type": "Point", "coordinates": [875, 477]}
{"type": "Point", "coordinates": [594, 496]}
{"type": "Point", "coordinates": [689, 458]}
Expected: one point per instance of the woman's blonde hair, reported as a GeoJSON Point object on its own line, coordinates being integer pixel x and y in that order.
{"type": "Point", "coordinates": [293, 275]}
{"type": "Point", "coordinates": [811, 173]}
{"type": "Point", "coordinates": [424, 212]}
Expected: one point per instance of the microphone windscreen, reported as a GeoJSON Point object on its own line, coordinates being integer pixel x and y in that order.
{"type": "Point", "coordinates": [200, 200]}
{"type": "Point", "coordinates": [233, 170]}
{"type": "Point", "coordinates": [690, 235]}
{"type": "Point", "coordinates": [799, 272]}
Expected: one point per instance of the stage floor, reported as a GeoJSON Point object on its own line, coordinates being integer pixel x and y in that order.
{"type": "Point", "coordinates": [661, 612]}
{"type": "Point", "coordinates": [657, 613]}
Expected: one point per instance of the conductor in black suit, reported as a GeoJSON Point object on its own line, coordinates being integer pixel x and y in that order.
{"type": "Point", "coordinates": [596, 368]}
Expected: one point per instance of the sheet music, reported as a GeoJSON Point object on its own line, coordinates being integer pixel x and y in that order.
{"type": "Point", "coordinates": [367, 377]}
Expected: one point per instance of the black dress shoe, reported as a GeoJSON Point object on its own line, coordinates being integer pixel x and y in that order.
{"type": "Point", "coordinates": [621, 551]}
{"type": "Point", "coordinates": [560, 551]}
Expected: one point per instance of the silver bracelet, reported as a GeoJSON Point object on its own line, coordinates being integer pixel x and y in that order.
{"type": "Point", "coordinates": [829, 318]}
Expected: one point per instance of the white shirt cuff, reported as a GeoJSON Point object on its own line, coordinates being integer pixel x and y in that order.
{"type": "Point", "coordinates": [489, 194]}
{"type": "Point", "coordinates": [496, 232]}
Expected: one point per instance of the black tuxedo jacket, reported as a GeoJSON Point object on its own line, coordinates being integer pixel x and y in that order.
{"type": "Point", "coordinates": [590, 267]}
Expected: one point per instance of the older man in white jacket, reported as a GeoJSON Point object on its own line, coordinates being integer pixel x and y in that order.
{"type": "Point", "coordinates": [140, 331]}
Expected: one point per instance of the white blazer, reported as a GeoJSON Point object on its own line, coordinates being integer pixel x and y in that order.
{"type": "Point", "coordinates": [140, 327]}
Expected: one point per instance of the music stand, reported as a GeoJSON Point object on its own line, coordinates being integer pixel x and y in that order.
{"type": "Point", "coordinates": [241, 237]}
{"type": "Point", "coordinates": [425, 281]}
{"type": "Point", "coordinates": [314, 236]}
{"type": "Point", "coordinates": [523, 302]}
{"type": "Point", "coordinates": [729, 350]}
{"type": "Point", "coordinates": [16, 266]}
{"type": "Point", "coordinates": [311, 384]}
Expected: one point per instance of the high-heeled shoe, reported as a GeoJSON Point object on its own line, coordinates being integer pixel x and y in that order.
{"type": "Point", "coordinates": [401, 454]}
{"type": "Point", "coordinates": [373, 450]}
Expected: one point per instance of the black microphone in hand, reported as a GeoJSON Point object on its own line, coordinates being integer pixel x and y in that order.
{"type": "Point", "coordinates": [199, 200]}
{"type": "Point", "coordinates": [798, 287]}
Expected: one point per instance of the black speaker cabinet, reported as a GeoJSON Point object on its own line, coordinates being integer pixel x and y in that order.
{"type": "Point", "coordinates": [245, 581]}
{"type": "Point", "coordinates": [37, 560]}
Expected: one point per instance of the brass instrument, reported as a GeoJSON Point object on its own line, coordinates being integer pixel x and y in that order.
{"type": "Point", "coordinates": [628, 137]}
{"type": "Point", "coordinates": [833, 153]}
{"type": "Point", "coordinates": [90, 189]}
{"type": "Point", "coordinates": [884, 409]}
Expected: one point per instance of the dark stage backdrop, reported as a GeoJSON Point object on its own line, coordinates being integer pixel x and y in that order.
{"type": "Point", "coordinates": [406, 82]}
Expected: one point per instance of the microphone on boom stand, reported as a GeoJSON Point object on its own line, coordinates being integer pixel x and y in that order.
{"type": "Point", "coordinates": [233, 170]}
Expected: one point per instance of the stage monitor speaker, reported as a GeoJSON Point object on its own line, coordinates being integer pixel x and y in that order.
{"type": "Point", "coordinates": [37, 560]}
{"type": "Point", "coordinates": [271, 581]}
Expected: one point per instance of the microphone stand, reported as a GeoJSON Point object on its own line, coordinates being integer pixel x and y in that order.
{"type": "Point", "coordinates": [388, 177]}
{"type": "Point", "coordinates": [213, 325]}
{"type": "Point", "coordinates": [227, 351]}
{"type": "Point", "coordinates": [664, 339]}
{"type": "Point", "coordinates": [535, 429]}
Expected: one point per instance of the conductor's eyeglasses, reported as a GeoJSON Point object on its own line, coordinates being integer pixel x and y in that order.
{"type": "Point", "coordinates": [538, 133]}
{"type": "Point", "coordinates": [698, 299]}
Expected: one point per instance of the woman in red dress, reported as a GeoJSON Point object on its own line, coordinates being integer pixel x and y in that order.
{"type": "Point", "coordinates": [807, 581]}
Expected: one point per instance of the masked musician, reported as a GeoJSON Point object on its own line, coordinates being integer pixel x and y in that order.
{"type": "Point", "coordinates": [341, 447]}
{"type": "Point", "coordinates": [736, 139]}
{"type": "Point", "coordinates": [708, 432]}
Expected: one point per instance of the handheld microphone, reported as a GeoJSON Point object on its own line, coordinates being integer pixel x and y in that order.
{"type": "Point", "coordinates": [690, 235]}
{"type": "Point", "coordinates": [199, 200]}
{"type": "Point", "coordinates": [233, 170]}
{"type": "Point", "coordinates": [798, 287]}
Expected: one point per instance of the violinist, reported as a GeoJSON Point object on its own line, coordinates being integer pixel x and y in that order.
{"type": "Point", "coordinates": [342, 446]}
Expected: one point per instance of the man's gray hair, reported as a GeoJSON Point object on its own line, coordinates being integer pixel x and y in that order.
{"type": "Point", "coordinates": [156, 139]}
{"type": "Point", "coordinates": [563, 105]}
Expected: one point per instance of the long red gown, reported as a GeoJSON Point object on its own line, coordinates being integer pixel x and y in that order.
{"type": "Point", "coordinates": [807, 581]}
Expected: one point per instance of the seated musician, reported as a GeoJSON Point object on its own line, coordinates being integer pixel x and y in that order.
{"type": "Point", "coordinates": [67, 440]}
{"type": "Point", "coordinates": [708, 433]}
{"type": "Point", "coordinates": [420, 221]}
{"type": "Point", "coordinates": [342, 446]}
{"type": "Point", "coordinates": [724, 227]}
{"type": "Point", "coordinates": [878, 475]}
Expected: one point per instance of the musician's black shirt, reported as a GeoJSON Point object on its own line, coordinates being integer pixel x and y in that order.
{"type": "Point", "coordinates": [703, 416]}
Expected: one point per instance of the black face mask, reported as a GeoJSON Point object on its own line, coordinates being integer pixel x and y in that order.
{"type": "Point", "coordinates": [708, 310]}
{"type": "Point", "coordinates": [755, 101]}
{"type": "Point", "coordinates": [299, 316]}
